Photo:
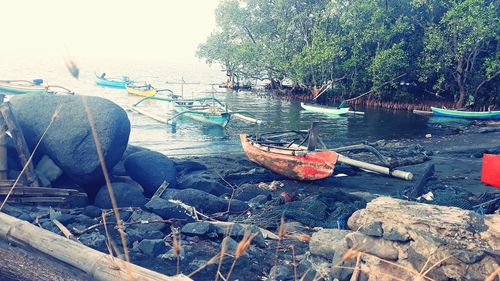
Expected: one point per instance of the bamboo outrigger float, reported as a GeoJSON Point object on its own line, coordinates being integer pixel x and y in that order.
{"type": "Point", "coordinates": [296, 160]}
{"type": "Point", "coordinates": [206, 110]}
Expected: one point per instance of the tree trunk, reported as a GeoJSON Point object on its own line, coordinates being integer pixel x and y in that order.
{"type": "Point", "coordinates": [461, 97]}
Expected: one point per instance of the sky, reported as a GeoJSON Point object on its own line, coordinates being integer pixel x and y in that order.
{"type": "Point", "coordinates": [161, 30]}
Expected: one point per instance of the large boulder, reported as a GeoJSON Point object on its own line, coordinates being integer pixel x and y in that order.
{"type": "Point", "coordinates": [126, 195]}
{"type": "Point", "coordinates": [150, 169]}
{"type": "Point", "coordinates": [69, 141]}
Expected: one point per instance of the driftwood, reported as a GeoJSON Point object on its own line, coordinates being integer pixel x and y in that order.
{"type": "Point", "coordinates": [3, 149]}
{"type": "Point", "coordinates": [419, 188]}
{"type": "Point", "coordinates": [21, 146]}
{"type": "Point", "coordinates": [98, 265]}
{"type": "Point", "coordinates": [20, 264]}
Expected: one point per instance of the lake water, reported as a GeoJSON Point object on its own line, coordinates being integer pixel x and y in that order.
{"type": "Point", "coordinates": [191, 138]}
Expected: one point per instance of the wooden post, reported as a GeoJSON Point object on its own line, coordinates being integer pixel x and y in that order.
{"type": "Point", "coordinates": [313, 136]}
{"type": "Point", "coordinates": [3, 148]}
{"type": "Point", "coordinates": [21, 146]}
{"type": "Point", "coordinates": [96, 264]}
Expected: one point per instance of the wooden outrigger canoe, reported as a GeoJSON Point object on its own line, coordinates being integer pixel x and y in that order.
{"type": "Point", "coordinates": [484, 115]}
{"type": "Point", "coordinates": [112, 82]}
{"type": "Point", "coordinates": [203, 110]}
{"type": "Point", "coordinates": [294, 163]}
{"type": "Point", "coordinates": [18, 87]}
{"type": "Point", "coordinates": [294, 160]}
{"type": "Point", "coordinates": [324, 109]}
{"type": "Point", "coordinates": [144, 90]}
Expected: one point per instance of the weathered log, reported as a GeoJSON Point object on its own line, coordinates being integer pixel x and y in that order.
{"type": "Point", "coordinates": [20, 264]}
{"type": "Point", "coordinates": [419, 188]}
{"type": "Point", "coordinates": [3, 149]}
{"type": "Point", "coordinates": [98, 265]}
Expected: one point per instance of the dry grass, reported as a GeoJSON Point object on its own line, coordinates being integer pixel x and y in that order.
{"type": "Point", "coordinates": [241, 249]}
{"type": "Point", "coordinates": [494, 275]}
{"type": "Point", "coordinates": [176, 245]}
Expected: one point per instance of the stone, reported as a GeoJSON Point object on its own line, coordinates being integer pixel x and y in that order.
{"type": "Point", "coordinates": [231, 245]}
{"type": "Point", "coordinates": [48, 169]}
{"type": "Point", "coordinates": [69, 142]}
{"type": "Point", "coordinates": [246, 192]}
{"type": "Point", "coordinates": [93, 239]}
{"type": "Point", "coordinates": [25, 217]}
{"type": "Point", "coordinates": [197, 228]}
{"type": "Point", "coordinates": [373, 229]}
{"type": "Point", "coordinates": [203, 201]}
{"type": "Point", "coordinates": [327, 242]}
{"type": "Point", "coordinates": [152, 247]}
{"type": "Point", "coordinates": [150, 169]}
{"type": "Point", "coordinates": [146, 218]}
{"type": "Point", "coordinates": [258, 201]}
{"type": "Point", "coordinates": [374, 246]}
{"type": "Point", "coordinates": [188, 166]}
{"type": "Point", "coordinates": [119, 168]}
{"type": "Point", "coordinates": [204, 184]}
{"type": "Point", "coordinates": [281, 273]}
{"type": "Point", "coordinates": [92, 211]}
{"type": "Point", "coordinates": [126, 195]}
{"type": "Point", "coordinates": [168, 210]}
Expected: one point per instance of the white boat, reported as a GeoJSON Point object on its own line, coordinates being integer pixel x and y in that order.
{"type": "Point", "coordinates": [324, 109]}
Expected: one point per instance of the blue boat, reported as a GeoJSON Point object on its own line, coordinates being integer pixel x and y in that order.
{"type": "Point", "coordinates": [121, 83]}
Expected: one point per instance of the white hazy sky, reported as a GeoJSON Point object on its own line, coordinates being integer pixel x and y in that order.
{"type": "Point", "coordinates": [163, 30]}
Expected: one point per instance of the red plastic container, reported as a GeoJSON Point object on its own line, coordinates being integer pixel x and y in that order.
{"type": "Point", "coordinates": [491, 169]}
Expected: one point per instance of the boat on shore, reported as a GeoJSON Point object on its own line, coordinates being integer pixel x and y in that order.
{"type": "Point", "coordinates": [144, 90]}
{"type": "Point", "coordinates": [476, 115]}
{"type": "Point", "coordinates": [121, 83]}
{"type": "Point", "coordinates": [18, 87]}
{"type": "Point", "coordinates": [293, 162]}
{"type": "Point", "coordinates": [293, 154]}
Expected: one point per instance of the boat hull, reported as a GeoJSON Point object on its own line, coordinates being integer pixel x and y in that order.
{"type": "Point", "coordinates": [323, 109]}
{"type": "Point", "coordinates": [209, 119]}
{"type": "Point", "coordinates": [487, 115]}
{"type": "Point", "coordinates": [142, 93]}
{"type": "Point", "coordinates": [112, 83]}
{"type": "Point", "coordinates": [19, 89]}
{"type": "Point", "coordinates": [306, 167]}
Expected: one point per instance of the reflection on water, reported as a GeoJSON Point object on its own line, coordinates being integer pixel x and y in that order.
{"type": "Point", "coordinates": [188, 137]}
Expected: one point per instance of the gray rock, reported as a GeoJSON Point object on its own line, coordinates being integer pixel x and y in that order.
{"type": "Point", "coordinates": [258, 201]}
{"type": "Point", "coordinates": [231, 245]}
{"type": "Point", "coordinates": [146, 218]}
{"type": "Point", "coordinates": [168, 210]}
{"type": "Point", "coordinates": [152, 247]}
{"type": "Point", "coordinates": [373, 229]}
{"type": "Point", "coordinates": [69, 143]}
{"type": "Point", "coordinates": [93, 239]}
{"type": "Point", "coordinates": [150, 169]}
{"type": "Point", "coordinates": [119, 168]}
{"type": "Point", "coordinates": [327, 242]}
{"type": "Point", "coordinates": [134, 234]}
{"type": "Point", "coordinates": [48, 169]}
{"type": "Point", "coordinates": [197, 228]}
{"type": "Point", "coordinates": [92, 211]}
{"type": "Point", "coordinates": [126, 195]}
{"type": "Point", "coordinates": [281, 273]}
{"type": "Point", "coordinates": [203, 201]}
{"type": "Point", "coordinates": [204, 184]}
{"type": "Point", "coordinates": [25, 217]}
{"type": "Point", "coordinates": [246, 192]}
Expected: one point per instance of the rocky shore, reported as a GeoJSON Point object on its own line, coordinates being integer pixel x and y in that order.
{"type": "Point", "coordinates": [351, 226]}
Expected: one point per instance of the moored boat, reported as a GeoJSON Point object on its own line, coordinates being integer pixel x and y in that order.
{"type": "Point", "coordinates": [23, 87]}
{"type": "Point", "coordinates": [293, 162]}
{"type": "Point", "coordinates": [121, 83]}
{"type": "Point", "coordinates": [144, 90]}
{"type": "Point", "coordinates": [324, 109]}
{"type": "Point", "coordinates": [204, 110]}
{"type": "Point", "coordinates": [482, 115]}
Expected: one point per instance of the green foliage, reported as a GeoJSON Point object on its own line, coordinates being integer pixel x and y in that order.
{"type": "Point", "coordinates": [445, 47]}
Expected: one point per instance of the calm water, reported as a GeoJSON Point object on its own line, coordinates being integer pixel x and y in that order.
{"type": "Point", "coordinates": [191, 138]}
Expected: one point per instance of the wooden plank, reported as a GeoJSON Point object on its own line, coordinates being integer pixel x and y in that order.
{"type": "Point", "coordinates": [98, 265]}
{"type": "Point", "coordinates": [3, 149]}
{"type": "Point", "coordinates": [36, 200]}
{"type": "Point", "coordinates": [160, 190]}
{"type": "Point", "coordinates": [21, 146]}
{"type": "Point", "coordinates": [40, 190]}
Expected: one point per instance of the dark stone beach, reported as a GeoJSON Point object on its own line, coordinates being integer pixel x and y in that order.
{"type": "Point", "coordinates": [297, 229]}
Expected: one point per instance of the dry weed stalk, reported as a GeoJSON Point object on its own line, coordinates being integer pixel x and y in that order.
{"type": "Point", "coordinates": [282, 233]}
{"type": "Point", "coordinates": [241, 249]}
{"type": "Point", "coordinates": [294, 263]}
{"type": "Point", "coordinates": [493, 276]}
{"type": "Point", "coordinates": [222, 252]}
{"type": "Point", "coordinates": [176, 245]}
{"type": "Point", "coordinates": [212, 260]}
